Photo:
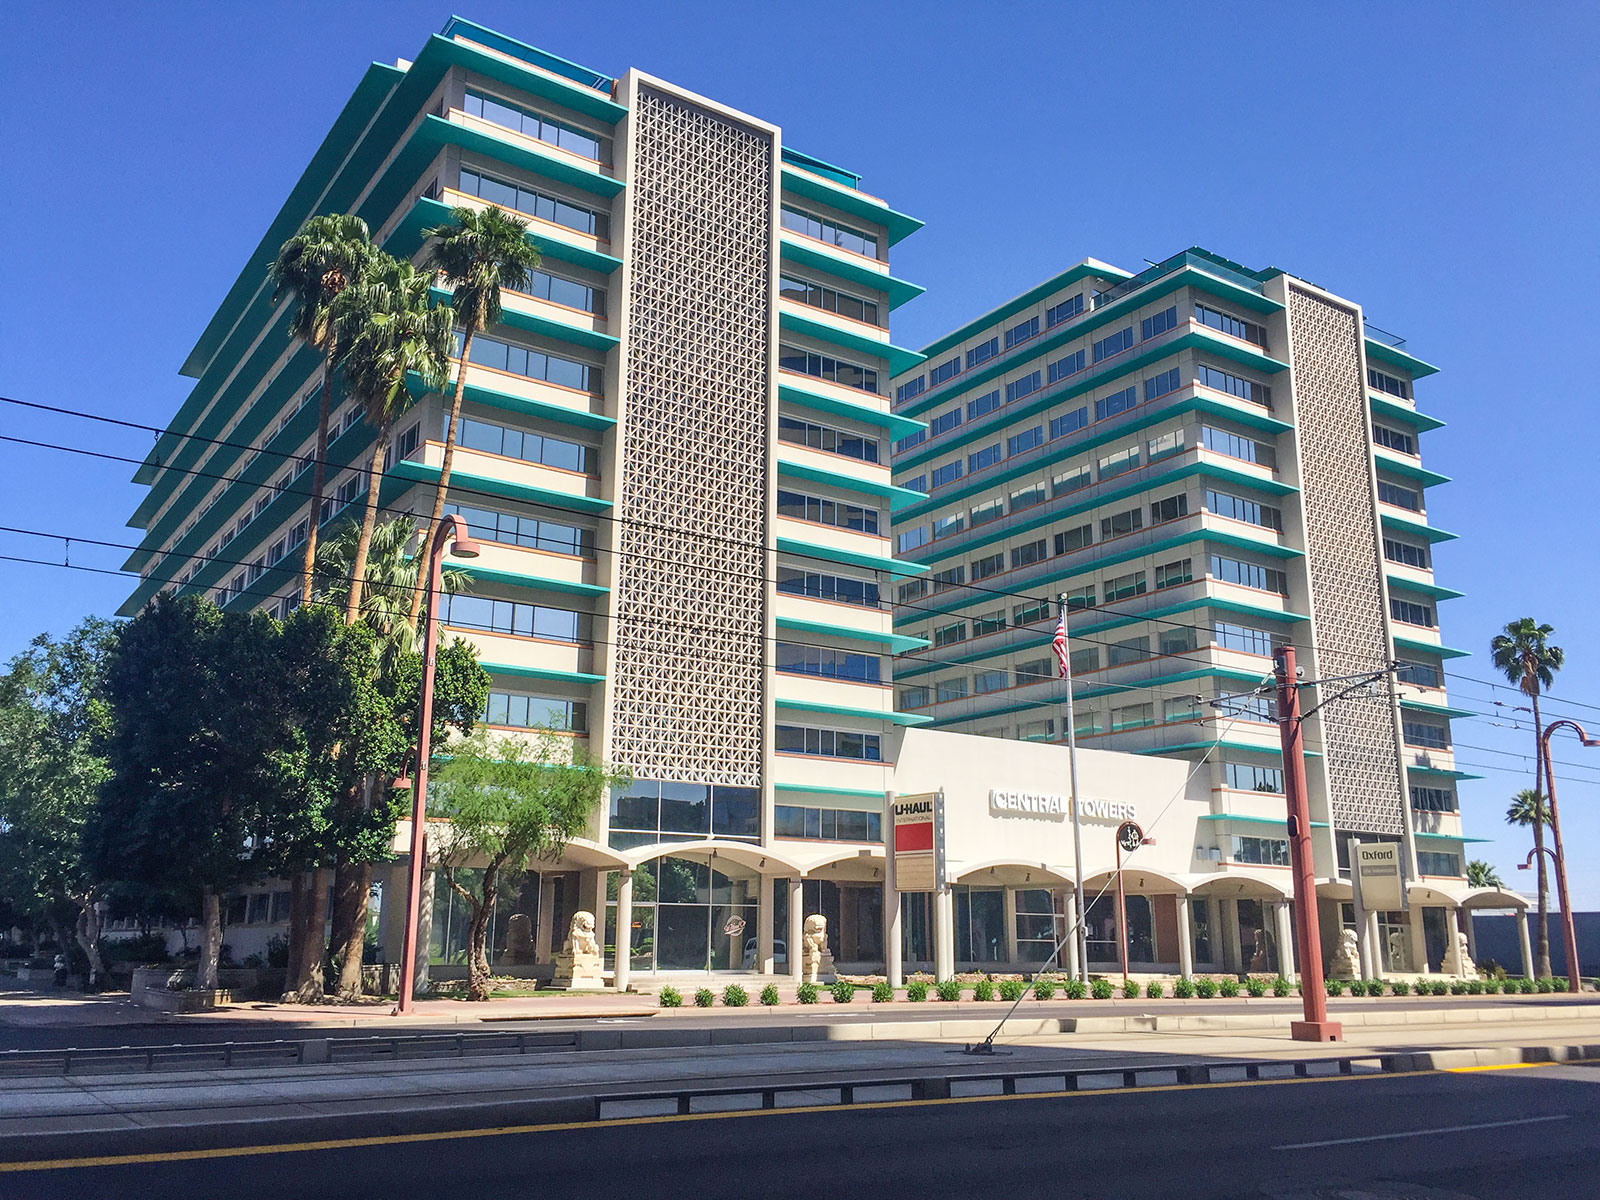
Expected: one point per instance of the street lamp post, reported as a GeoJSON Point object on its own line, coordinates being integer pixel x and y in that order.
{"type": "Point", "coordinates": [1568, 932]}
{"type": "Point", "coordinates": [451, 526]}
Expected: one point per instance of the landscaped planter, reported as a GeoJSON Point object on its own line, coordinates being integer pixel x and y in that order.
{"type": "Point", "coordinates": [186, 1000]}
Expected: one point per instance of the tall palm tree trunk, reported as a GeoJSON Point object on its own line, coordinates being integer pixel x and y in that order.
{"type": "Point", "coordinates": [358, 567]}
{"type": "Point", "coordinates": [318, 475]}
{"type": "Point", "coordinates": [443, 485]}
{"type": "Point", "coordinates": [1541, 949]}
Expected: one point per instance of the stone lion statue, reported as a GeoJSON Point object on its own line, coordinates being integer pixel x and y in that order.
{"type": "Point", "coordinates": [1463, 964]}
{"type": "Point", "coordinates": [1346, 961]}
{"type": "Point", "coordinates": [815, 958]}
{"type": "Point", "coordinates": [580, 936]}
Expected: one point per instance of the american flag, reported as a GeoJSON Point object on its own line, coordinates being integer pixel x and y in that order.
{"type": "Point", "coordinates": [1059, 644]}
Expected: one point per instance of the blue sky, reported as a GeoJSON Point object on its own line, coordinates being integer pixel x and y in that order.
{"type": "Point", "coordinates": [1438, 163]}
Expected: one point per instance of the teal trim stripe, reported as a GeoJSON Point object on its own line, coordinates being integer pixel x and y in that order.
{"type": "Point", "coordinates": [435, 133]}
{"type": "Point", "coordinates": [1439, 772]}
{"type": "Point", "coordinates": [544, 673]}
{"type": "Point", "coordinates": [1397, 357]}
{"type": "Point", "coordinates": [420, 473]}
{"type": "Point", "coordinates": [1416, 528]}
{"type": "Point", "coordinates": [1256, 821]}
{"type": "Point", "coordinates": [1411, 645]}
{"type": "Point", "coordinates": [898, 357]}
{"type": "Point", "coordinates": [1398, 584]}
{"type": "Point", "coordinates": [794, 252]}
{"type": "Point", "coordinates": [871, 562]}
{"type": "Point", "coordinates": [898, 497]}
{"type": "Point", "coordinates": [1396, 465]}
{"type": "Point", "coordinates": [506, 402]}
{"type": "Point", "coordinates": [806, 186]}
{"type": "Point", "coordinates": [1237, 747]}
{"type": "Point", "coordinates": [1449, 837]}
{"type": "Point", "coordinates": [1438, 710]}
{"type": "Point", "coordinates": [424, 214]}
{"type": "Point", "coordinates": [526, 580]}
{"type": "Point", "coordinates": [516, 318]}
{"type": "Point", "coordinates": [1089, 268]}
{"type": "Point", "coordinates": [840, 710]}
{"type": "Point", "coordinates": [897, 643]}
{"type": "Point", "coordinates": [1392, 410]}
{"type": "Point", "coordinates": [797, 396]}
{"type": "Point", "coordinates": [588, 93]}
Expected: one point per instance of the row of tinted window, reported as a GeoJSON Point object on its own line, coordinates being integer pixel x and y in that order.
{"type": "Point", "coordinates": [519, 710]}
{"type": "Point", "coordinates": [536, 125]}
{"type": "Point", "coordinates": [533, 364]}
{"type": "Point", "coordinates": [687, 809]}
{"type": "Point", "coordinates": [533, 533]}
{"type": "Point", "coordinates": [803, 291]}
{"type": "Point", "coordinates": [827, 438]}
{"type": "Point", "coordinates": [825, 366]}
{"type": "Point", "coordinates": [826, 824]}
{"type": "Point", "coordinates": [473, 434]}
{"type": "Point", "coordinates": [568, 292]}
{"type": "Point", "coordinates": [829, 743]}
{"type": "Point", "coordinates": [826, 229]}
{"type": "Point", "coordinates": [514, 617]}
{"type": "Point", "coordinates": [828, 662]}
{"type": "Point", "coordinates": [818, 585]}
{"type": "Point", "coordinates": [824, 511]}
{"type": "Point", "coordinates": [535, 203]}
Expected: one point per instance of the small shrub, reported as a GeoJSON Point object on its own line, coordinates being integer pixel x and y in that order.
{"type": "Point", "coordinates": [1526, 986]}
{"type": "Point", "coordinates": [1184, 988]}
{"type": "Point", "coordinates": [734, 996]}
{"type": "Point", "coordinates": [1205, 988]}
{"type": "Point", "coordinates": [843, 991]}
{"type": "Point", "coordinates": [882, 992]}
{"type": "Point", "coordinates": [670, 997]}
{"type": "Point", "coordinates": [769, 995]}
{"type": "Point", "coordinates": [1491, 987]}
{"type": "Point", "coordinates": [983, 990]}
{"type": "Point", "coordinates": [949, 990]}
{"type": "Point", "coordinates": [705, 998]}
{"type": "Point", "coordinates": [1130, 990]}
{"type": "Point", "coordinates": [917, 991]}
{"type": "Point", "coordinates": [1101, 989]}
{"type": "Point", "coordinates": [1281, 986]}
{"type": "Point", "coordinates": [806, 993]}
{"type": "Point", "coordinates": [1474, 987]}
{"type": "Point", "coordinates": [1458, 987]}
{"type": "Point", "coordinates": [1335, 987]}
{"type": "Point", "coordinates": [1044, 989]}
{"type": "Point", "coordinates": [1074, 989]}
{"type": "Point", "coordinates": [1399, 987]}
{"type": "Point", "coordinates": [1153, 990]}
{"type": "Point", "coordinates": [1441, 988]}
{"type": "Point", "coordinates": [1228, 988]}
{"type": "Point", "coordinates": [1012, 989]}
{"type": "Point", "coordinates": [1545, 984]}
{"type": "Point", "coordinates": [1362, 987]}
{"type": "Point", "coordinates": [1256, 987]}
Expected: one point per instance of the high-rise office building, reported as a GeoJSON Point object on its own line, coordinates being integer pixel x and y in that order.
{"type": "Point", "coordinates": [1203, 460]}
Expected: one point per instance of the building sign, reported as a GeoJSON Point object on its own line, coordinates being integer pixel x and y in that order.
{"type": "Point", "coordinates": [1053, 807]}
{"type": "Point", "coordinates": [918, 841]}
{"type": "Point", "coordinates": [1380, 881]}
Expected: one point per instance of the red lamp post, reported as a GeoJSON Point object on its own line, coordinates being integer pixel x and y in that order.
{"type": "Point", "coordinates": [1569, 934]}
{"type": "Point", "coordinates": [449, 527]}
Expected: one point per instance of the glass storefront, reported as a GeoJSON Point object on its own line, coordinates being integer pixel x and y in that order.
{"type": "Point", "coordinates": [1200, 926]}
{"type": "Point", "coordinates": [1104, 946]}
{"type": "Point", "coordinates": [1258, 942]}
{"type": "Point", "coordinates": [687, 914]}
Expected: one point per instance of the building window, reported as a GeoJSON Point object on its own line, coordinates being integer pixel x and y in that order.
{"type": "Point", "coordinates": [1117, 402]}
{"type": "Point", "coordinates": [1234, 385]}
{"type": "Point", "coordinates": [566, 292]}
{"type": "Point", "coordinates": [947, 473]}
{"type": "Point", "coordinates": [1026, 386]}
{"type": "Point", "coordinates": [990, 622]}
{"type": "Point", "coordinates": [910, 388]}
{"type": "Point", "coordinates": [1434, 799]}
{"type": "Point", "coordinates": [1113, 344]}
{"type": "Point", "coordinates": [1174, 574]}
{"type": "Point", "coordinates": [826, 366]}
{"type": "Point", "coordinates": [944, 371]}
{"type": "Point", "coordinates": [827, 662]}
{"type": "Point", "coordinates": [1407, 554]}
{"type": "Point", "coordinates": [946, 525]}
{"type": "Point", "coordinates": [1220, 441]}
{"type": "Point", "coordinates": [1069, 364]}
{"type": "Point", "coordinates": [987, 566]}
{"type": "Point", "coordinates": [1180, 708]}
{"type": "Point", "coordinates": [533, 364]}
{"type": "Point", "coordinates": [1082, 598]}
{"type": "Point", "coordinates": [1247, 574]}
{"type": "Point", "coordinates": [1069, 422]}
{"type": "Point", "coordinates": [950, 689]}
{"type": "Point", "coordinates": [1412, 613]}
{"type": "Point", "coordinates": [1432, 862]}
{"type": "Point", "coordinates": [841, 589]}
{"type": "Point", "coordinates": [1115, 464]}
{"type": "Point", "coordinates": [1158, 324]}
{"type": "Point", "coordinates": [1036, 731]}
{"type": "Point", "coordinates": [1022, 331]}
{"type": "Point", "coordinates": [1426, 734]}
{"type": "Point", "coordinates": [472, 434]}
{"type": "Point", "coordinates": [1020, 443]}
{"type": "Point", "coordinates": [1169, 509]}
{"type": "Point", "coordinates": [521, 620]}
{"type": "Point", "coordinates": [1180, 640]}
{"type": "Point", "coordinates": [1129, 650]}
{"type": "Point", "coordinates": [537, 125]}
{"type": "Point", "coordinates": [1028, 554]}
{"type": "Point", "coordinates": [1065, 311]}
{"type": "Point", "coordinates": [1071, 480]}
{"type": "Point", "coordinates": [1232, 326]}
{"type": "Point", "coordinates": [910, 441]}
{"type": "Point", "coordinates": [983, 353]}
{"type": "Point", "coordinates": [989, 510]}
{"type": "Point", "coordinates": [987, 457]}
{"type": "Point", "coordinates": [950, 577]}
{"type": "Point", "coordinates": [822, 511]}
{"type": "Point", "coordinates": [1245, 777]}
{"type": "Point", "coordinates": [825, 229]}
{"type": "Point", "coordinates": [1121, 524]}
{"type": "Point", "coordinates": [1162, 384]}
{"type": "Point", "coordinates": [1270, 852]}
{"type": "Point", "coordinates": [1419, 674]}
{"type": "Point", "coordinates": [1241, 638]}
{"type": "Point", "coordinates": [828, 439]}
{"type": "Point", "coordinates": [1035, 670]}
{"type": "Point", "coordinates": [1394, 439]}
{"type": "Point", "coordinates": [1165, 445]}
{"type": "Point", "coordinates": [912, 590]}
{"type": "Point", "coordinates": [1393, 493]}
{"type": "Point", "coordinates": [1069, 540]}
{"type": "Point", "coordinates": [1028, 614]}
{"type": "Point", "coordinates": [990, 681]}
{"type": "Point", "coordinates": [1027, 497]}
{"type": "Point", "coordinates": [985, 403]}
{"type": "Point", "coordinates": [523, 710]}
{"type": "Point", "coordinates": [1237, 508]}
{"type": "Point", "coordinates": [827, 824]}
{"type": "Point", "coordinates": [949, 635]}
{"type": "Point", "coordinates": [1124, 586]}
{"type": "Point", "coordinates": [803, 291]}
{"type": "Point", "coordinates": [914, 697]}
{"type": "Point", "coordinates": [1388, 384]}
{"type": "Point", "coordinates": [828, 743]}
{"type": "Point", "coordinates": [535, 203]}
{"type": "Point", "coordinates": [944, 422]}
{"type": "Point", "coordinates": [1132, 716]}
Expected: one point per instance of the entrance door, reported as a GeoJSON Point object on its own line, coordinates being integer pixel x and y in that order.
{"type": "Point", "coordinates": [916, 927]}
{"type": "Point", "coordinates": [1435, 935]}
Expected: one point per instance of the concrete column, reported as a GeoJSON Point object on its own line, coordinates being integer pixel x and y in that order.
{"type": "Point", "coordinates": [1525, 945]}
{"type": "Point", "coordinates": [1011, 926]}
{"type": "Point", "coordinates": [764, 939]}
{"type": "Point", "coordinates": [1419, 940]}
{"type": "Point", "coordinates": [796, 928]}
{"type": "Point", "coordinates": [544, 939]}
{"type": "Point", "coordinates": [392, 914]}
{"type": "Point", "coordinates": [1228, 918]}
{"type": "Point", "coordinates": [894, 966]}
{"type": "Point", "coordinates": [1286, 959]}
{"type": "Point", "coordinates": [944, 933]}
{"type": "Point", "coordinates": [423, 955]}
{"type": "Point", "coordinates": [1471, 931]}
{"type": "Point", "coordinates": [1070, 904]}
{"type": "Point", "coordinates": [624, 966]}
{"type": "Point", "coordinates": [592, 893]}
{"type": "Point", "coordinates": [1185, 938]}
{"type": "Point", "coordinates": [1367, 942]}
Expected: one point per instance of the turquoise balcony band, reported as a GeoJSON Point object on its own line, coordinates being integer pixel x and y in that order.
{"type": "Point", "coordinates": [841, 710]}
{"type": "Point", "coordinates": [1447, 837]}
{"type": "Point", "coordinates": [1438, 710]}
{"type": "Point", "coordinates": [425, 214]}
{"type": "Point", "coordinates": [1396, 357]}
{"type": "Point", "coordinates": [1282, 821]}
{"type": "Point", "coordinates": [898, 357]}
{"type": "Point", "coordinates": [416, 472]}
{"type": "Point", "coordinates": [1431, 590]}
{"type": "Point", "coordinates": [1396, 465]}
{"type": "Point", "coordinates": [1386, 409]}
{"type": "Point", "coordinates": [797, 395]}
{"type": "Point", "coordinates": [793, 252]}
{"type": "Point", "coordinates": [895, 643]}
{"type": "Point", "coordinates": [506, 402]}
{"type": "Point", "coordinates": [1439, 772]}
{"type": "Point", "coordinates": [518, 318]}
{"type": "Point", "coordinates": [807, 186]}
{"type": "Point", "coordinates": [898, 497]}
{"type": "Point", "coordinates": [815, 790]}
{"type": "Point", "coordinates": [1415, 526]}
{"type": "Point", "coordinates": [589, 92]}
{"type": "Point", "coordinates": [523, 579]}
{"type": "Point", "coordinates": [544, 673]}
{"type": "Point", "coordinates": [1412, 646]}
{"type": "Point", "coordinates": [1237, 747]}
{"type": "Point", "coordinates": [815, 552]}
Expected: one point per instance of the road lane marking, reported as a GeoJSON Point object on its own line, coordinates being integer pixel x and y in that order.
{"type": "Point", "coordinates": [397, 1139]}
{"type": "Point", "coordinates": [1411, 1133]}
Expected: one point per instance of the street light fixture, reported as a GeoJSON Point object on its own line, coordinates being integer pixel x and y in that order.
{"type": "Point", "coordinates": [450, 527]}
{"type": "Point", "coordinates": [1568, 931]}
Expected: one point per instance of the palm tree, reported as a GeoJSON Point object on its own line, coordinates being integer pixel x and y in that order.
{"type": "Point", "coordinates": [390, 577]}
{"type": "Point", "coordinates": [1482, 874]}
{"type": "Point", "coordinates": [478, 255]}
{"type": "Point", "coordinates": [388, 330]}
{"type": "Point", "coordinates": [319, 263]}
{"type": "Point", "coordinates": [1523, 651]}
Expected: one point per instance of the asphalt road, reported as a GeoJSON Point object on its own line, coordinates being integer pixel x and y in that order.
{"type": "Point", "coordinates": [1457, 1136]}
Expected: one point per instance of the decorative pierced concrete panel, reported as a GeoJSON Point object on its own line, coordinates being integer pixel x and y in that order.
{"type": "Point", "coordinates": [1345, 559]}
{"type": "Point", "coordinates": [689, 680]}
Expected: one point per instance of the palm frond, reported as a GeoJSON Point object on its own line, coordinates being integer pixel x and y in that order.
{"type": "Point", "coordinates": [327, 255]}
{"type": "Point", "coordinates": [390, 576]}
{"type": "Point", "coordinates": [479, 253]}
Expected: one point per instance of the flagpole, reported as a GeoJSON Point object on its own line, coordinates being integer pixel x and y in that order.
{"type": "Point", "coordinates": [1081, 932]}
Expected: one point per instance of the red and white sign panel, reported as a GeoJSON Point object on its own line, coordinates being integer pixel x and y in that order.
{"type": "Point", "coordinates": [915, 833]}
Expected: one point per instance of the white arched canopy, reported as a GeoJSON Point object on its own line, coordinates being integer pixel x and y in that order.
{"type": "Point", "coordinates": [761, 859]}
{"type": "Point", "coordinates": [1139, 879]}
{"type": "Point", "coordinates": [1007, 872]}
{"type": "Point", "coordinates": [1495, 898]}
{"type": "Point", "coordinates": [1246, 887]}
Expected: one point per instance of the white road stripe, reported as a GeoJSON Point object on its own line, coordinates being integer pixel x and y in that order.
{"type": "Point", "coordinates": [1384, 1137]}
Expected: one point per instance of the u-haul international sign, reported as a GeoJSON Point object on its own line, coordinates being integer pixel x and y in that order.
{"type": "Point", "coordinates": [918, 847]}
{"type": "Point", "coordinates": [1054, 807]}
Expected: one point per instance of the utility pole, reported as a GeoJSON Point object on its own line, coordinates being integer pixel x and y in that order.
{"type": "Point", "coordinates": [1080, 931]}
{"type": "Point", "coordinates": [1313, 991]}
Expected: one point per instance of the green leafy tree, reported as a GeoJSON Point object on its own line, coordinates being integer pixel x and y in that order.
{"type": "Point", "coordinates": [1522, 651]}
{"type": "Point", "coordinates": [50, 774]}
{"type": "Point", "coordinates": [387, 330]}
{"type": "Point", "coordinates": [478, 254]}
{"type": "Point", "coordinates": [1482, 874]}
{"type": "Point", "coordinates": [504, 801]}
{"type": "Point", "coordinates": [325, 258]}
